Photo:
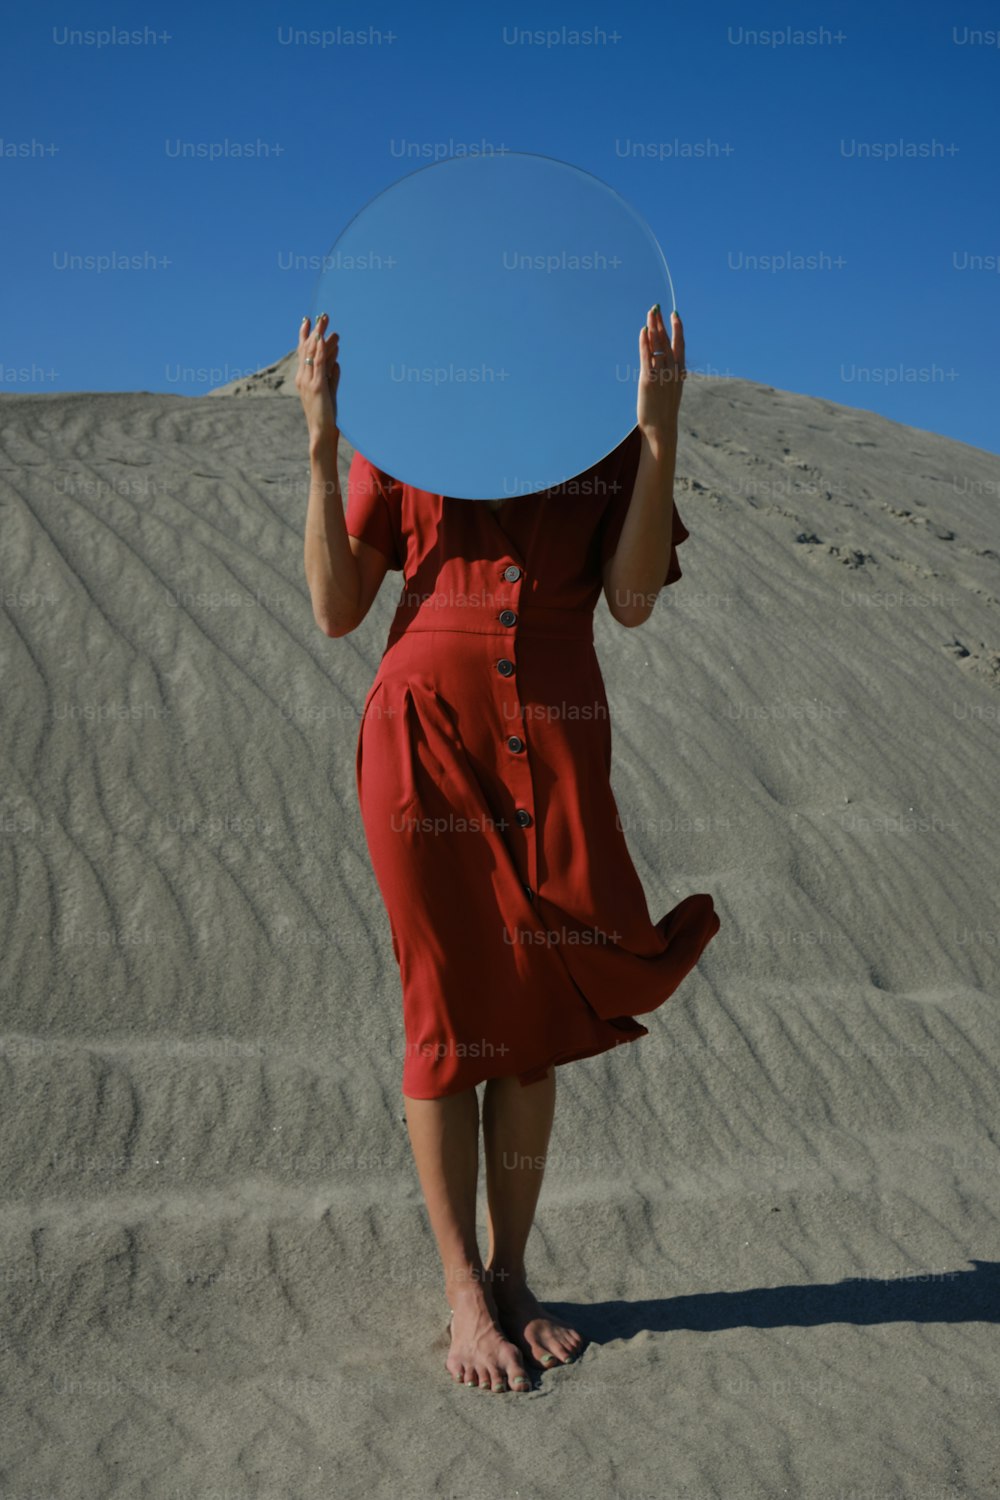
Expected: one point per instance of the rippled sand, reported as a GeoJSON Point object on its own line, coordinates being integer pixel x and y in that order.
{"type": "Point", "coordinates": [776, 1217]}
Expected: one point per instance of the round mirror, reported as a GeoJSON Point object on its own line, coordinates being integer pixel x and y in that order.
{"type": "Point", "coordinates": [489, 310]}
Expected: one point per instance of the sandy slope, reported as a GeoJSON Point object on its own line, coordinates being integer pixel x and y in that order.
{"type": "Point", "coordinates": [776, 1216]}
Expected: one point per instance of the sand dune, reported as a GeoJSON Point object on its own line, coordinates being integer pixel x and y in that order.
{"type": "Point", "coordinates": [776, 1217]}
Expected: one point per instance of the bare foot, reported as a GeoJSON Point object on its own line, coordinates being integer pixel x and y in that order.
{"type": "Point", "coordinates": [531, 1326]}
{"type": "Point", "coordinates": [480, 1353]}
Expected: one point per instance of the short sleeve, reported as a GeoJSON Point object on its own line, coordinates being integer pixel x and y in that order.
{"type": "Point", "coordinates": [373, 511]}
{"type": "Point", "coordinates": [621, 482]}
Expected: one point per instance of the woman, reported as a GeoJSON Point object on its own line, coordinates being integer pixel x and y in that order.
{"type": "Point", "coordinates": [483, 766]}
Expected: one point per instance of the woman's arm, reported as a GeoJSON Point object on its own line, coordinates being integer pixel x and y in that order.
{"type": "Point", "coordinates": [343, 573]}
{"type": "Point", "coordinates": [330, 565]}
{"type": "Point", "coordinates": [633, 575]}
{"type": "Point", "coordinates": [343, 579]}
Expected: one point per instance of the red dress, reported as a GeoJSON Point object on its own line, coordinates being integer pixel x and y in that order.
{"type": "Point", "coordinates": [518, 920]}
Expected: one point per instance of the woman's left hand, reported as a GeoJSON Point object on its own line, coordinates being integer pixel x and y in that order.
{"type": "Point", "coordinates": [661, 375]}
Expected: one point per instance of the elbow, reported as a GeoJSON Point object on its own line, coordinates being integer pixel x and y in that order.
{"type": "Point", "coordinates": [629, 608]}
{"type": "Point", "coordinates": [336, 628]}
{"type": "Point", "coordinates": [333, 614]}
{"type": "Point", "coordinates": [333, 624]}
{"type": "Point", "coordinates": [631, 619]}
{"type": "Point", "coordinates": [328, 618]}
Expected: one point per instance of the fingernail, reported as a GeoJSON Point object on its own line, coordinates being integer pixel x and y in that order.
{"type": "Point", "coordinates": [656, 307]}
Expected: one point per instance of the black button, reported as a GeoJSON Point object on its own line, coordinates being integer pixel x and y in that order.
{"type": "Point", "coordinates": [508, 617]}
{"type": "Point", "coordinates": [523, 816]}
{"type": "Point", "coordinates": [514, 743]}
{"type": "Point", "coordinates": [505, 667]}
{"type": "Point", "coordinates": [512, 574]}
{"type": "Point", "coordinates": [529, 893]}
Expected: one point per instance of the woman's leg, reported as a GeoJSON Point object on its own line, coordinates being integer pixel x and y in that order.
{"type": "Point", "coordinates": [444, 1136]}
{"type": "Point", "coordinates": [517, 1123]}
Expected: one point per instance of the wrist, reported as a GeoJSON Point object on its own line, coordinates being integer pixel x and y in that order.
{"type": "Point", "coordinates": [661, 441]}
{"type": "Point", "coordinates": [324, 439]}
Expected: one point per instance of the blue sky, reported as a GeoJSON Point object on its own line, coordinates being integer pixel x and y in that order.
{"type": "Point", "coordinates": [871, 148]}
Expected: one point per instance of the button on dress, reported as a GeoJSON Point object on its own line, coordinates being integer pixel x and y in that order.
{"type": "Point", "coordinates": [483, 765]}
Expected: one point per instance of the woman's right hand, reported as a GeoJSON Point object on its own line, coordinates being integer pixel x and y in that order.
{"type": "Point", "coordinates": [317, 383]}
